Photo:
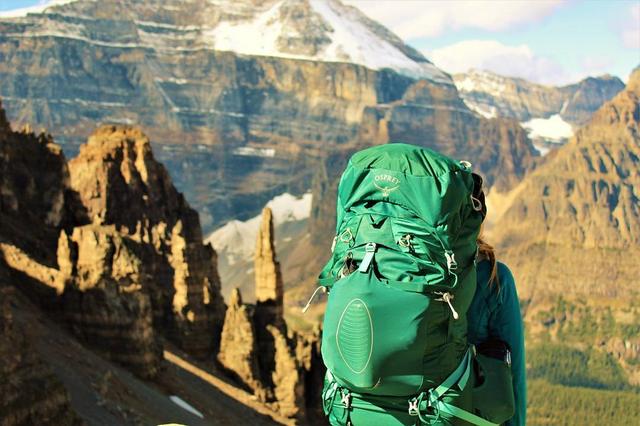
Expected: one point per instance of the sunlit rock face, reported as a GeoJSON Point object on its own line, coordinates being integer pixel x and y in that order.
{"type": "Point", "coordinates": [268, 276]}
{"type": "Point", "coordinates": [121, 185]}
{"type": "Point", "coordinates": [238, 345]}
{"type": "Point", "coordinates": [577, 216]}
{"type": "Point", "coordinates": [106, 297]}
{"type": "Point", "coordinates": [570, 232]}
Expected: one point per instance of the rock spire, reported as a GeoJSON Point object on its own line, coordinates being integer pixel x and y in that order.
{"type": "Point", "coordinates": [279, 365]}
{"type": "Point", "coordinates": [238, 345]}
{"type": "Point", "coordinates": [267, 269]}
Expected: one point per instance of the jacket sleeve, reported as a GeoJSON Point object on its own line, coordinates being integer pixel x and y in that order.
{"type": "Point", "coordinates": [506, 324]}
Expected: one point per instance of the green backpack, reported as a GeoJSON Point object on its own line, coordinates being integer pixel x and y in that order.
{"type": "Point", "coordinates": [400, 280]}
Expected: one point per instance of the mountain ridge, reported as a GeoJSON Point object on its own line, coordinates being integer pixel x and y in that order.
{"type": "Point", "coordinates": [297, 29]}
{"type": "Point", "coordinates": [492, 94]}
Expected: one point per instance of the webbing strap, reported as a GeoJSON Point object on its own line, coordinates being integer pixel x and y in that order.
{"type": "Point", "coordinates": [464, 415]}
{"type": "Point", "coordinates": [459, 377]}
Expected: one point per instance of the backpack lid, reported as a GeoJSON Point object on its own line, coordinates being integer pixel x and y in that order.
{"type": "Point", "coordinates": [430, 185]}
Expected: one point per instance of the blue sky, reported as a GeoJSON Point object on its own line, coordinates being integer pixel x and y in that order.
{"type": "Point", "coordinates": [546, 41]}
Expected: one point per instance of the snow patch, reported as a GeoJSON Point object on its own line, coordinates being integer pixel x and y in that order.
{"type": "Point", "coordinates": [288, 208]}
{"type": "Point", "coordinates": [553, 129]}
{"type": "Point", "coordinates": [479, 81]}
{"type": "Point", "coordinates": [255, 152]}
{"type": "Point", "coordinates": [237, 239]}
{"type": "Point", "coordinates": [487, 111]}
{"type": "Point", "coordinates": [182, 404]}
{"type": "Point", "coordinates": [354, 40]}
{"type": "Point", "coordinates": [542, 149]}
{"type": "Point", "coordinates": [179, 81]}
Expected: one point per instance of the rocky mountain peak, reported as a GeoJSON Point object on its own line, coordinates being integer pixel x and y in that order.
{"type": "Point", "coordinates": [133, 206]}
{"type": "Point", "coordinates": [491, 95]}
{"type": "Point", "coordinates": [235, 300]}
{"type": "Point", "coordinates": [120, 182]}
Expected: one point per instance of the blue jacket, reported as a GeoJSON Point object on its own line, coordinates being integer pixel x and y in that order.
{"type": "Point", "coordinates": [497, 315]}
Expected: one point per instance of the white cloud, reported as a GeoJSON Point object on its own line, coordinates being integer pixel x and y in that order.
{"type": "Point", "coordinates": [491, 55]}
{"type": "Point", "coordinates": [414, 19]}
{"type": "Point", "coordinates": [631, 29]}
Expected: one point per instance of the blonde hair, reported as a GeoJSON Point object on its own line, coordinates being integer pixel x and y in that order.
{"type": "Point", "coordinates": [486, 251]}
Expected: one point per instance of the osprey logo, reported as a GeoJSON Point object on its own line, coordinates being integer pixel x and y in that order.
{"type": "Point", "coordinates": [386, 184]}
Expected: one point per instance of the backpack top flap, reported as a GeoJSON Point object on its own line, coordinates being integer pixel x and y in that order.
{"type": "Point", "coordinates": [436, 188]}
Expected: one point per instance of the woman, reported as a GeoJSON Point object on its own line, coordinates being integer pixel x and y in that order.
{"type": "Point", "coordinates": [495, 314]}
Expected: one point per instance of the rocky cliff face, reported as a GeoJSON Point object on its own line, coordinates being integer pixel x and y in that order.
{"type": "Point", "coordinates": [435, 117]}
{"type": "Point", "coordinates": [571, 234]}
{"type": "Point", "coordinates": [29, 392]}
{"type": "Point", "coordinates": [583, 200]}
{"type": "Point", "coordinates": [495, 95]}
{"type": "Point", "coordinates": [108, 244]}
{"type": "Point", "coordinates": [32, 205]}
{"type": "Point", "coordinates": [106, 298]}
{"type": "Point", "coordinates": [121, 184]}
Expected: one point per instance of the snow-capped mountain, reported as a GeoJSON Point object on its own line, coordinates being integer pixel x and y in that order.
{"type": "Point", "coordinates": [316, 30]}
{"type": "Point", "coordinates": [244, 97]}
{"type": "Point", "coordinates": [494, 95]}
{"type": "Point", "coordinates": [548, 113]}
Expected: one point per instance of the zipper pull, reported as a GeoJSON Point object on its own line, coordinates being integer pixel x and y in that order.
{"type": "Point", "coordinates": [306, 307]}
{"type": "Point", "coordinates": [370, 250]}
{"type": "Point", "coordinates": [447, 298]}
